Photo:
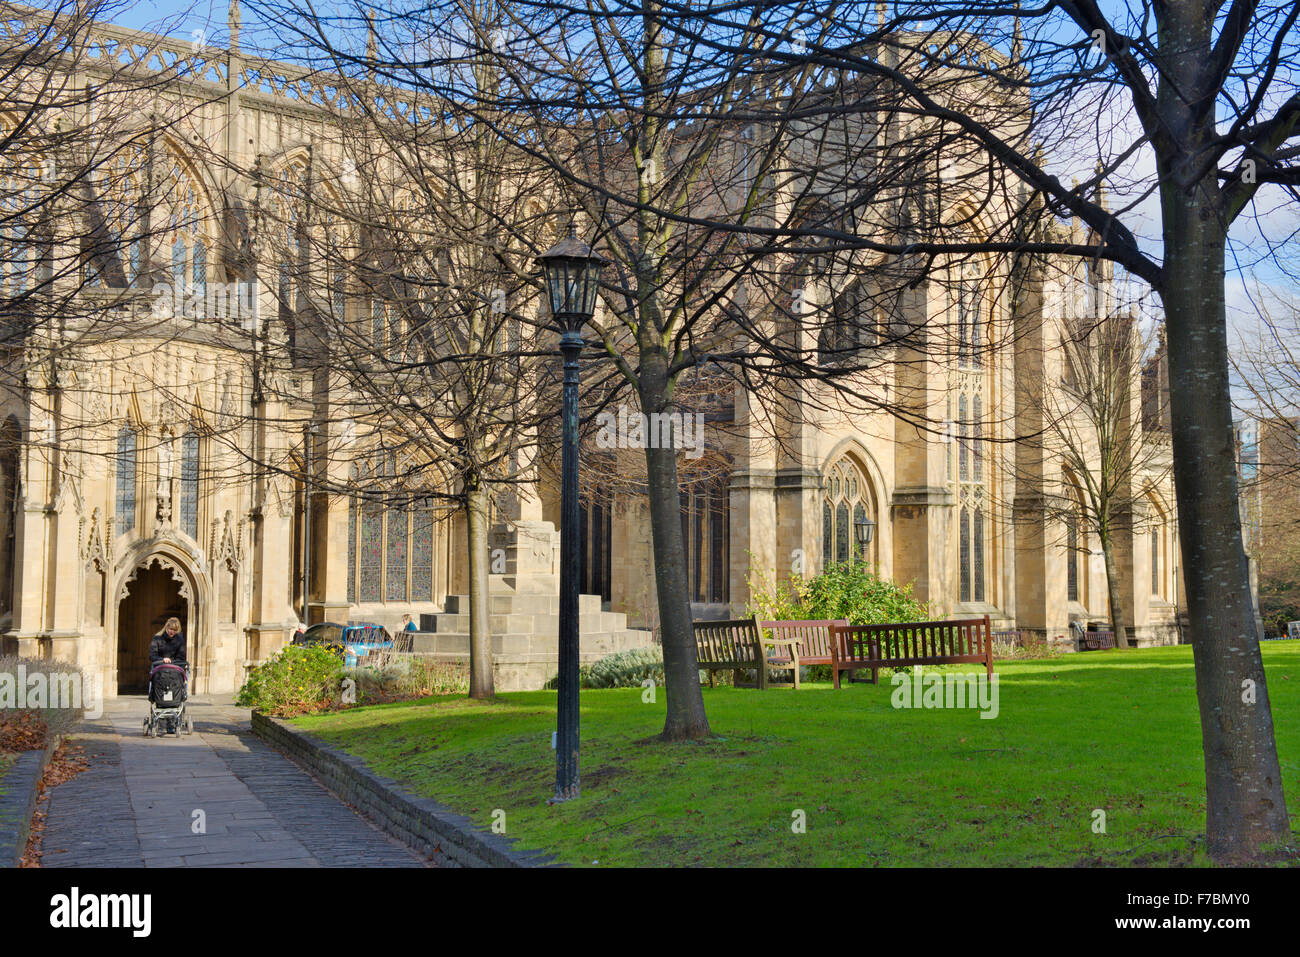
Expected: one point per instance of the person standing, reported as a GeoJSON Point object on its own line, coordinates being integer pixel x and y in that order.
{"type": "Point", "coordinates": [168, 646]}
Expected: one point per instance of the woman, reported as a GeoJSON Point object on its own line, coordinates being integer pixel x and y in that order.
{"type": "Point", "coordinates": [168, 646]}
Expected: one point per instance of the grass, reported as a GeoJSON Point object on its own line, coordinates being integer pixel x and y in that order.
{"type": "Point", "coordinates": [1111, 731]}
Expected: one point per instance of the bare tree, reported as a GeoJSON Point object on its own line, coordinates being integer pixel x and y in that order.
{"type": "Point", "coordinates": [1095, 427]}
{"type": "Point", "coordinates": [1208, 98]}
{"type": "Point", "coordinates": [1266, 365]}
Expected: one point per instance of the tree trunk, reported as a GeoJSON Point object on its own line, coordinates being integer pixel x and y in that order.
{"type": "Point", "coordinates": [1245, 807]}
{"type": "Point", "coordinates": [480, 636]}
{"type": "Point", "coordinates": [686, 718]}
{"type": "Point", "coordinates": [1112, 593]}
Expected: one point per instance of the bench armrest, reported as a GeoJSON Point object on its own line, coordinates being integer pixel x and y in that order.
{"type": "Point", "coordinates": [790, 643]}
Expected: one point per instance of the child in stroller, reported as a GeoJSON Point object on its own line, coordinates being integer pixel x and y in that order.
{"type": "Point", "coordinates": [168, 683]}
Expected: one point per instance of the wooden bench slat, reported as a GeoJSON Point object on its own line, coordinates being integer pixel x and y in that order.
{"type": "Point", "coordinates": [960, 641]}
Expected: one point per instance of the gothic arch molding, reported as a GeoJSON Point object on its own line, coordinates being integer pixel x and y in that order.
{"type": "Point", "coordinates": [184, 564]}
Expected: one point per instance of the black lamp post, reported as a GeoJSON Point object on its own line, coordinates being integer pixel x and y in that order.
{"type": "Point", "coordinates": [572, 272]}
{"type": "Point", "coordinates": [862, 529]}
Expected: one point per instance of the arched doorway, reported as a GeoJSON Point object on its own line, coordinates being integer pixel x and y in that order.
{"type": "Point", "coordinates": [153, 593]}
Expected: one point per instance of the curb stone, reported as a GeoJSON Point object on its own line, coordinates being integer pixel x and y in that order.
{"type": "Point", "coordinates": [448, 838]}
{"type": "Point", "coordinates": [18, 803]}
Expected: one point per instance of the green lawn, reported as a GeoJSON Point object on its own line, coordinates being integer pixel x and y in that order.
{"type": "Point", "coordinates": [1116, 731]}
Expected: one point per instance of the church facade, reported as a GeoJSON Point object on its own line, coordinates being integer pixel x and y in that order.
{"type": "Point", "coordinates": [158, 461]}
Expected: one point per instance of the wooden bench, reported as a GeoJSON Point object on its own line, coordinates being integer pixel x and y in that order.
{"type": "Point", "coordinates": [906, 643]}
{"type": "Point", "coordinates": [806, 643]}
{"type": "Point", "coordinates": [739, 645]}
{"type": "Point", "coordinates": [1098, 640]}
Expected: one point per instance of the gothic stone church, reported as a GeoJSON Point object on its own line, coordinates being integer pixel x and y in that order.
{"type": "Point", "coordinates": [150, 475]}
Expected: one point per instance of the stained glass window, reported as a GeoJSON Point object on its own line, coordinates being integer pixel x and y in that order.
{"type": "Point", "coordinates": [370, 555]}
{"type": "Point", "coordinates": [845, 502]}
{"type": "Point", "coordinates": [841, 532]}
{"type": "Point", "coordinates": [18, 201]}
{"type": "Point", "coordinates": [1071, 559]}
{"type": "Point", "coordinates": [352, 551]}
{"type": "Point", "coordinates": [125, 480]}
{"type": "Point", "coordinates": [706, 530]}
{"type": "Point", "coordinates": [284, 293]}
{"type": "Point", "coordinates": [719, 535]}
{"type": "Point", "coordinates": [969, 336]}
{"type": "Point", "coordinates": [828, 534]}
{"type": "Point", "coordinates": [200, 269]}
{"type": "Point", "coordinates": [977, 547]}
{"type": "Point", "coordinates": [965, 555]}
{"type": "Point", "coordinates": [1155, 561]}
{"type": "Point", "coordinates": [422, 552]}
{"type": "Point", "coordinates": [396, 571]}
{"type": "Point", "coordinates": [977, 450]}
{"type": "Point", "coordinates": [190, 485]}
{"type": "Point", "coordinates": [178, 263]}
{"type": "Point", "coordinates": [377, 323]}
{"type": "Point", "coordinates": [963, 447]}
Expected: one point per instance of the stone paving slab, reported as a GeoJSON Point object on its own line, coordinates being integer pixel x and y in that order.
{"type": "Point", "coordinates": [136, 804]}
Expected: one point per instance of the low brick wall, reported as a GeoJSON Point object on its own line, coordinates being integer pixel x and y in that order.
{"type": "Point", "coordinates": [449, 839]}
{"type": "Point", "coordinates": [18, 803]}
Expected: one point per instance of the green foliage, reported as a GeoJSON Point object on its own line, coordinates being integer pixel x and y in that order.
{"type": "Point", "coordinates": [851, 591]}
{"type": "Point", "coordinates": [409, 676]}
{"type": "Point", "coordinates": [622, 669]}
{"type": "Point", "coordinates": [1279, 603]}
{"type": "Point", "coordinates": [298, 679]}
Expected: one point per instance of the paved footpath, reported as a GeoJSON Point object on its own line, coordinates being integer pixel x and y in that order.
{"type": "Point", "coordinates": [135, 805]}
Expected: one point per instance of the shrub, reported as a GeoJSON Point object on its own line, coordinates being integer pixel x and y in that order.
{"type": "Point", "coordinates": [851, 591]}
{"type": "Point", "coordinates": [298, 679]}
{"type": "Point", "coordinates": [32, 727]}
{"type": "Point", "coordinates": [404, 677]}
{"type": "Point", "coordinates": [628, 669]}
{"type": "Point", "coordinates": [1029, 645]}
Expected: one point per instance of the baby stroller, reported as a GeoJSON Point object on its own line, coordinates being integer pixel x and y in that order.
{"type": "Point", "coordinates": [168, 690]}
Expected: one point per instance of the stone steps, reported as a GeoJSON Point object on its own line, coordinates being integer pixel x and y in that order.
{"type": "Point", "coordinates": [525, 630]}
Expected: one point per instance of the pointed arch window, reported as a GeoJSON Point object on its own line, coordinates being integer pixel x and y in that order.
{"type": "Point", "coordinates": [851, 323]}
{"type": "Point", "coordinates": [378, 324]}
{"type": "Point", "coordinates": [1071, 558]}
{"type": "Point", "coordinates": [847, 497]}
{"type": "Point", "coordinates": [395, 573]}
{"type": "Point", "coordinates": [973, 467]}
{"type": "Point", "coordinates": [970, 338]}
{"type": "Point", "coordinates": [596, 530]}
{"type": "Point", "coordinates": [393, 548]}
{"type": "Point", "coordinates": [23, 243]}
{"type": "Point", "coordinates": [1155, 562]}
{"type": "Point", "coordinates": [422, 550]}
{"type": "Point", "coordinates": [352, 550]}
{"type": "Point", "coordinates": [189, 504]}
{"type": "Point", "coordinates": [124, 511]}
{"type": "Point", "coordinates": [965, 583]}
{"type": "Point", "coordinates": [706, 533]}
{"type": "Point", "coordinates": [370, 557]}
